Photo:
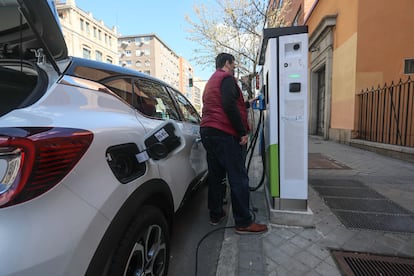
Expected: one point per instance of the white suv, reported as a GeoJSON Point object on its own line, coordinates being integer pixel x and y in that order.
{"type": "Point", "coordinates": [95, 159]}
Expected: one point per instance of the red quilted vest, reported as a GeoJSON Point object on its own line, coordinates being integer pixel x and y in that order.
{"type": "Point", "coordinates": [213, 112]}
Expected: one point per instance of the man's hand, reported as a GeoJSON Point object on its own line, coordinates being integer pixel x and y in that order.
{"type": "Point", "coordinates": [244, 139]}
{"type": "Point", "coordinates": [252, 100]}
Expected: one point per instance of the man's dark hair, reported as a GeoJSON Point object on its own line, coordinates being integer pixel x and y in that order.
{"type": "Point", "coordinates": [222, 58]}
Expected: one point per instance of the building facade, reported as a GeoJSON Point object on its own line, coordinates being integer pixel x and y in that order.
{"type": "Point", "coordinates": [198, 91]}
{"type": "Point", "coordinates": [355, 45]}
{"type": "Point", "coordinates": [190, 85]}
{"type": "Point", "coordinates": [283, 13]}
{"type": "Point", "coordinates": [85, 36]}
{"type": "Point", "coordinates": [147, 53]}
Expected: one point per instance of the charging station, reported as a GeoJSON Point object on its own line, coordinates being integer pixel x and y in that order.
{"type": "Point", "coordinates": [284, 86]}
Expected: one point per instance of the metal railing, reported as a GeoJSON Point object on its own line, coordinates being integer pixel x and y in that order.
{"type": "Point", "coordinates": [386, 114]}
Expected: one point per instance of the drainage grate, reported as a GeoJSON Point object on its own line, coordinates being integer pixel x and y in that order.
{"type": "Point", "coordinates": [362, 264]}
{"type": "Point", "coordinates": [358, 206]}
{"type": "Point", "coordinates": [379, 205]}
{"type": "Point", "coordinates": [377, 221]}
{"type": "Point", "coordinates": [347, 192]}
{"type": "Point", "coordinates": [336, 183]}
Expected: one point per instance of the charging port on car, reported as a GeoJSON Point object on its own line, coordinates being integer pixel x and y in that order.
{"type": "Point", "coordinates": [123, 162]}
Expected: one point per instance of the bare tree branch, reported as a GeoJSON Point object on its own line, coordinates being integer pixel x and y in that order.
{"type": "Point", "coordinates": [233, 26]}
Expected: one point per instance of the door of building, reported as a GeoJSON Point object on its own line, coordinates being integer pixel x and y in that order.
{"type": "Point", "coordinates": [320, 122]}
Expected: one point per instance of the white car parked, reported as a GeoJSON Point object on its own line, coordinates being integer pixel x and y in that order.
{"type": "Point", "coordinates": [95, 159]}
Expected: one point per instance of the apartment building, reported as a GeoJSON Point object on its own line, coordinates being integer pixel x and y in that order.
{"type": "Point", "coordinates": [86, 36]}
{"type": "Point", "coordinates": [147, 53]}
{"type": "Point", "coordinates": [197, 100]}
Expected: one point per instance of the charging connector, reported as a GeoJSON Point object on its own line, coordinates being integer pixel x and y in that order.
{"type": "Point", "coordinates": [259, 103]}
{"type": "Point", "coordinates": [160, 142]}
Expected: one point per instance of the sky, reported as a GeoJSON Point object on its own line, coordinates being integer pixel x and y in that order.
{"type": "Point", "coordinates": [165, 18]}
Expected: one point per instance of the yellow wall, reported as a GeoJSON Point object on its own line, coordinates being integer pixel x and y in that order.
{"type": "Point", "coordinates": [343, 84]}
{"type": "Point", "coordinates": [371, 40]}
{"type": "Point", "coordinates": [346, 20]}
{"type": "Point", "coordinates": [344, 57]}
{"type": "Point", "coordinates": [385, 38]}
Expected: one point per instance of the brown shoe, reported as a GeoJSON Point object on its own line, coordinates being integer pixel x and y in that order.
{"type": "Point", "coordinates": [254, 228]}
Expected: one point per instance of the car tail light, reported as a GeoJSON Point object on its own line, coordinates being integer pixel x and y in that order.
{"type": "Point", "coordinates": [33, 160]}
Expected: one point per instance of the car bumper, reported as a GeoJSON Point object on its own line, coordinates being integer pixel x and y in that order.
{"type": "Point", "coordinates": [54, 234]}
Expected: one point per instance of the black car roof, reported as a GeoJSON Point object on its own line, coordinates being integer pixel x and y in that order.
{"type": "Point", "coordinates": [112, 69]}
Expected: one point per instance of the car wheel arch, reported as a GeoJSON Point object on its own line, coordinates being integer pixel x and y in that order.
{"type": "Point", "coordinates": [155, 192]}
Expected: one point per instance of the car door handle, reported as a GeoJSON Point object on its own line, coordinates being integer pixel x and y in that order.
{"type": "Point", "coordinates": [198, 140]}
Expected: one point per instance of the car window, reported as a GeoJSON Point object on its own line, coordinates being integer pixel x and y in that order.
{"type": "Point", "coordinates": [122, 87]}
{"type": "Point", "coordinates": [154, 100]}
{"type": "Point", "coordinates": [190, 114]}
{"type": "Point", "coordinates": [92, 73]}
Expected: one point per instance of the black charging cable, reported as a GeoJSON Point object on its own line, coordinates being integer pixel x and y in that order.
{"type": "Point", "coordinates": [202, 239]}
{"type": "Point", "coordinates": [208, 234]}
{"type": "Point", "coordinates": [252, 146]}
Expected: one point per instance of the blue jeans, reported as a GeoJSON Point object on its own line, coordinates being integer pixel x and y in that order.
{"type": "Point", "coordinates": [226, 155]}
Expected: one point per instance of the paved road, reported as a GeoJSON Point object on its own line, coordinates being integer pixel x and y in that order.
{"type": "Point", "coordinates": [191, 225]}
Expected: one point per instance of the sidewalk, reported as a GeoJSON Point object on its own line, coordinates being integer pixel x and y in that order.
{"type": "Point", "coordinates": [286, 250]}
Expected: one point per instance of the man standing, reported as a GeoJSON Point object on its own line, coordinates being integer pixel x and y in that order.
{"type": "Point", "coordinates": [224, 130]}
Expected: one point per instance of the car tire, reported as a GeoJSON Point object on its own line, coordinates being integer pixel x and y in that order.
{"type": "Point", "coordinates": [145, 247]}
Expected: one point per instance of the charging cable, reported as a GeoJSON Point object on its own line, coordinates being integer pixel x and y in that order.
{"type": "Point", "coordinates": [208, 234]}
{"type": "Point", "coordinates": [252, 146]}
{"type": "Point", "coordinates": [202, 239]}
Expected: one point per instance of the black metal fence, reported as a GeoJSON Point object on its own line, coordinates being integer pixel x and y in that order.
{"type": "Point", "coordinates": [386, 114]}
